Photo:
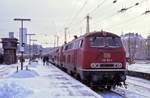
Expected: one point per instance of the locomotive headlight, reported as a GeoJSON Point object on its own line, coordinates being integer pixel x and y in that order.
{"type": "Point", "coordinates": [93, 65]}
{"type": "Point", "coordinates": [118, 65]}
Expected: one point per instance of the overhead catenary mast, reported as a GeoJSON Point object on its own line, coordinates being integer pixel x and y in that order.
{"type": "Point", "coordinates": [65, 35]}
{"type": "Point", "coordinates": [87, 24]}
{"type": "Point", "coordinates": [31, 34]}
{"type": "Point", "coordinates": [56, 40]}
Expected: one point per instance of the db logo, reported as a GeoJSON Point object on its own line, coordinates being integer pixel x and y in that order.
{"type": "Point", "coordinates": [107, 55]}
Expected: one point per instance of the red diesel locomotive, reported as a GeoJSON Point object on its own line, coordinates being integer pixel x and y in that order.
{"type": "Point", "coordinates": [97, 58]}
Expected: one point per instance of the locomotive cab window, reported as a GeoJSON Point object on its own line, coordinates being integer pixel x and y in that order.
{"type": "Point", "coordinates": [96, 41]}
{"type": "Point", "coordinates": [114, 41]}
{"type": "Point", "coordinates": [109, 41]}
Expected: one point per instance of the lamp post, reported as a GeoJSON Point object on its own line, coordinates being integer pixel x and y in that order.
{"type": "Point", "coordinates": [65, 35]}
{"type": "Point", "coordinates": [22, 41]}
{"type": "Point", "coordinates": [33, 40]}
{"type": "Point", "coordinates": [30, 46]}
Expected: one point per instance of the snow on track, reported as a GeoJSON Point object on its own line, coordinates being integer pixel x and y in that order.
{"type": "Point", "coordinates": [140, 67]}
{"type": "Point", "coordinates": [137, 88]}
{"type": "Point", "coordinates": [110, 94]}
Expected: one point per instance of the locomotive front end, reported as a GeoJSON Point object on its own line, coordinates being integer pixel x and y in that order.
{"type": "Point", "coordinates": [104, 60]}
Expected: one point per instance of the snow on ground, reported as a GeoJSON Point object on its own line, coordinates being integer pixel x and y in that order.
{"type": "Point", "coordinates": [142, 61]}
{"type": "Point", "coordinates": [43, 82]}
{"type": "Point", "coordinates": [109, 94]}
{"type": "Point", "coordinates": [12, 90]}
{"type": "Point", "coordinates": [24, 74]}
{"type": "Point", "coordinates": [6, 70]}
{"type": "Point", "coordinates": [139, 86]}
{"type": "Point", "coordinates": [137, 81]}
{"type": "Point", "coordinates": [49, 82]}
{"type": "Point", "coordinates": [140, 66]}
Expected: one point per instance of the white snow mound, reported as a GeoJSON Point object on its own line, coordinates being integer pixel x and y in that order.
{"type": "Point", "coordinates": [25, 74]}
{"type": "Point", "coordinates": [12, 90]}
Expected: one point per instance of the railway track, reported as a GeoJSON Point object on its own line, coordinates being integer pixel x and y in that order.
{"type": "Point", "coordinates": [137, 88]}
{"type": "Point", "coordinates": [102, 92]}
{"type": "Point", "coordinates": [121, 92]}
{"type": "Point", "coordinates": [110, 94]}
{"type": "Point", "coordinates": [134, 90]}
{"type": "Point", "coordinates": [4, 70]}
{"type": "Point", "coordinates": [129, 94]}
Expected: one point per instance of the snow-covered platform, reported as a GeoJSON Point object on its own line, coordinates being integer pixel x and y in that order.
{"type": "Point", "coordinates": [43, 82]}
{"type": "Point", "coordinates": [140, 69]}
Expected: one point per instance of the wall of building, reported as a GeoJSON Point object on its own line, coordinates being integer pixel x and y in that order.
{"type": "Point", "coordinates": [136, 46]}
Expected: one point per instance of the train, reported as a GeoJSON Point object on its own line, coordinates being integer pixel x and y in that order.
{"type": "Point", "coordinates": [95, 58]}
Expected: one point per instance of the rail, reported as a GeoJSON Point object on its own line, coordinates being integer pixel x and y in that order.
{"type": "Point", "coordinates": [139, 74]}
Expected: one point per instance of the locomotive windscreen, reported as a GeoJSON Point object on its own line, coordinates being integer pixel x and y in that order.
{"type": "Point", "coordinates": [98, 41]}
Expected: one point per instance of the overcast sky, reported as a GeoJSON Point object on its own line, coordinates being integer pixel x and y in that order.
{"type": "Point", "coordinates": [50, 17]}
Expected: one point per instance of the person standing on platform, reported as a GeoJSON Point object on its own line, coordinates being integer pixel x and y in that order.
{"type": "Point", "coordinates": [47, 60]}
{"type": "Point", "coordinates": [44, 60]}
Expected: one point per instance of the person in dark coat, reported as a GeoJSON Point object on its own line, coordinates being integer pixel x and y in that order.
{"type": "Point", "coordinates": [1, 58]}
{"type": "Point", "coordinates": [44, 60]}
{"type": "Point", "coordinates": [47, 60]}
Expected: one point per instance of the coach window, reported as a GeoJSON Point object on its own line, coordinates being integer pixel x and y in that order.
{"type": "Point", "coordinates": [68, 59]}
{"type": "Point", "coordinates": [57, 50]}
{"type": "Point", "coordinates": [64, 58]}
{"type": "Point", "coordinates": [66, 47]}
{"type": "Point", "coordinates": [61, 49]}
{"type": "Point", "coordinates": [75, 45]}
{"type": "Point", "coordinates": [80, 43]}
{"type": "Point", "coordinates": [70, 46]}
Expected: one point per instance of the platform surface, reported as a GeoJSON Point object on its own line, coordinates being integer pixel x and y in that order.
{"type": "Point", "coordinates": [43, 82]}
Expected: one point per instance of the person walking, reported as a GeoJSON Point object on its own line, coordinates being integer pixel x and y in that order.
{"type": "Point", "coordinates": [44, 60]}
{"type": "Point", "coordinates": [47, 60]}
